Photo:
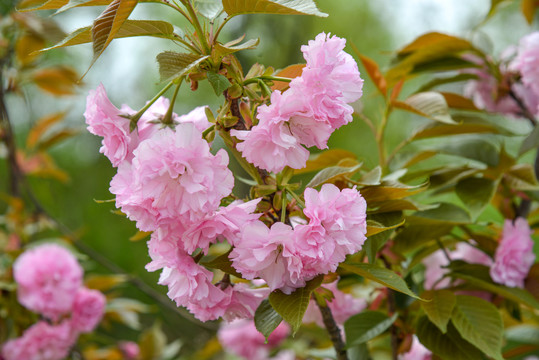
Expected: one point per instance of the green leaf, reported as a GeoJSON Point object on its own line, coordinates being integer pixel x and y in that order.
{"type": "Point", "coordinates": [130, 28]}
{"type": "Point", "coordinates": [414, 236]}
{"type": "Point", "coordinates": [325, 159]}
{"type": "Point", "coordinates": [152, 342]}
{"type": "Point", "coordinates": [372, 178]}
{"type": "Point", "coordinates": [365, 326]}
{"type": "Point", "coordinates": [230, 48]}
{"type": "Point", "coordinates": [218, 82]}
{"type": "Point", "coordinates": [109, 23]}
{"type": "Point", "coordinates": [173, 65]}
{"type": "Point", "coordinates": [530, 142]}
{"type": "Point", "coordinates": [284, 7]}
{"type": "Point", "coordinates": [359, 352]}
{"type": "Point", "coordinates": [475, 148]}
{"type": "Point", "coordinates": [440, 308]}
{"type": "Point", "coordinates": [476, 194]}
{"type": "Point", "coordinates": [76, 3]}
{"type": "Point", "coordinates": [430, 104]}
{"type": "Point", "coordinates": [331, 173]}
{"type": "Point", "coordinates": [524, 334]}
{"type": "Point", "coordinates": [521, 177]}
{"type": "Point", "coordinates": [447, 80]}
{"type": "Point", "coordinates": [266, 318]}
{"type": "Point", "coordinates": [223, 263]}
{"type": "Point", "coordinates": [438, 130]}
{"type": "Point", "coordinates": [494, 5]}
{"type": "Point", "coordinates": [393, 205]}
{"type": "Point", "coordinates": [292, 307]}
{"type": "Point", "coordinates": [381, 275]}
{"type": "Point", "coordinates": [375, 243]}
{"type": "Point", "coordinates": [427, 52]}
{"type": "Point", "coordinates": [516, 294]}
{"type": "Point", "coordinates": [391, 190]}
{"type": "Point", "coordinates": [445, 213]}
{"type": "Point", "coordinates": [480, 323]}
{"type": "Point", "coordinates": [210, 9]}
{"type": "Point", "coordinates": [377, 223]}
{"type": "Point", "coordinates": [447, 346]}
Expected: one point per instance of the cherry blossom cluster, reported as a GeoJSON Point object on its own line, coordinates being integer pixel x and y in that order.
{"type": "Point", "coordinates": [316, 104]}
{"type": "Point", "coordinates": [503, 93]}
{"type": "Point", "coordinates": [49, 280]}
{"type": "Point", "coordinates": [171, 184]}
{"type": "Point", "coordinates": [286, 257]}
{"type": "Point", "coordinates": [512, 261]}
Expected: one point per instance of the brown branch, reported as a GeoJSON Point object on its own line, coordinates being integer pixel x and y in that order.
{"type": "Point", "coordinates": [525, 111]}
{"type": "Point", "coordinates": [8, 138]}
{"type": "Point", "coordinates": [333, 331]}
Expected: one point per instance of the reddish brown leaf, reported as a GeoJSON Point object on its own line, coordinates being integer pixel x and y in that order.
{"type": "Point", "coordinates": [59, 80]}
{"type": "Point", "coordinates": [373, 70]}
{"type": "Point", "coordinates": [291, 72]}
{"type": "Point", "coordinates": [41, 126]}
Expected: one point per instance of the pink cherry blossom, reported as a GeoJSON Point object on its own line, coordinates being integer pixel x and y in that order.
{"type": "Point", "coordinates": [48, 277]}
{"type": "Point", "coordinates": [417, 352]}
{"type": "Point", "coordinates": [270, 145]}
{"type": "Point", "coordinates": [434, 263]}
{"type": "Point", "coordinates": [514, 255]}
{"type": "Point", "coordinates": [172, 175]}
{"type": "Point", "coordinates": [337, 227]}
{"type": "Point", "coordinates": [242, 339]}
{"type": "Point", "coordinates": [335, 68]}
{"type": "Point", "coordinates": [527, 61]}
{"type": "Point", "coordinates": [226, 223]}
{"type": "Point", "coordinates": [129, 349]}
{"type": "Point", "coordinates": [244, 301]}
{"type": "Point", "coordinates": [197, 117]}
{"type": "Point", "coordinates": [269, 254]}
{"type": "Point", "coordinates": [342, 307]}
{"type": "Point", "coordinates": [88, 310]}
{"type": "Point", "coordinates": [104, 119]}
{"type": "Point", "coordinates": [41, 341]}
{"type": "Point", "coordinates": [315, 104]}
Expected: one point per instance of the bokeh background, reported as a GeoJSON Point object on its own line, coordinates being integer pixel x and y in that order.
{"type": "Point", "coordinates": [129, 72]}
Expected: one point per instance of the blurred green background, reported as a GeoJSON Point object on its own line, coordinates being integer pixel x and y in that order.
{"type": "Point", "coordinates": [128, 71]}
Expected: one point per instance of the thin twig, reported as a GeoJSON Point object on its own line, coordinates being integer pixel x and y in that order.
{"type": "Point", "coordinates": [333, 330]}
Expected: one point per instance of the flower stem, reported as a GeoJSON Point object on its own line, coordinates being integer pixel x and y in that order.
{"type": "Point", "coordinates": [135, 118]}
{"type": "Point", "coordinates": [333, 331]}
{"type": "Point", "coordinates": [198, 28]}
{"type": "Point", "coordinates": [256, 79]}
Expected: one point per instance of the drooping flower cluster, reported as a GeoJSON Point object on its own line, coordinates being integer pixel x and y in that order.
{"type": "Point", "coordinates": [514, 255]}
{"type": "Point", "coordinates": [316, 104]}
{"type": "Point", "coordinates": [170, 183]}
{"type": "Point", "coordinates": [49, 280]}
{"type": "Point", "coordinates": [241, 338]}
{"type": "Point", "coordinates": [286, 257]}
